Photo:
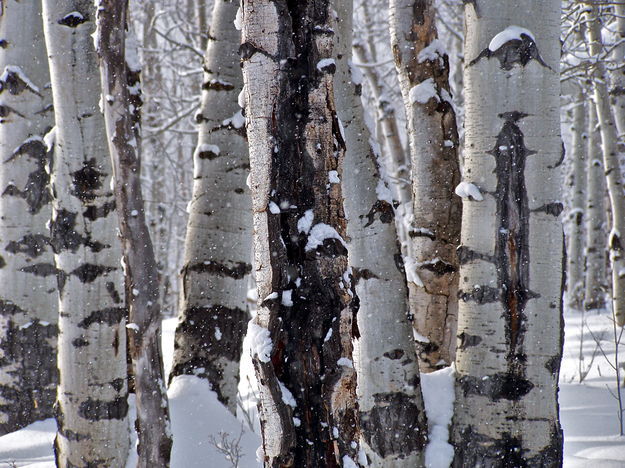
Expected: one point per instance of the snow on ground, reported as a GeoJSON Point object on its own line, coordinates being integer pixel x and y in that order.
{"type": "Point", "coordinates": [199, 423]}
{"type": "Point", "coordinates": [588, 410]}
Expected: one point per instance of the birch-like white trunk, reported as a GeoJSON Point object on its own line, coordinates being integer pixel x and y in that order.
{"type": "Point", "coordinates": [141, 273]}
{"type": "Point", "coordinates": [392, 415]}
{"type": "Point", "coordinates": [218, 246]}
{"type": "Point", "coordinates": [432, 265]}
{"type": "Point", "coordinates": [596, 285]}
{"type": "Point", "coordinates": [302, 335]}
{"type": "Point", "coordinates": [617, 75]}
{"type": "Point", "coordinates": [613, 172]}
{"type": "Point", "coordinates": [397, 163]}
{"type": "Point", "coordinates": [28, 296]}
{"type": "Point", "coordinates": [576, 189]}
{"type": "Point", "coordinates": [92, 413]}
{"type": "Point", "coordinates": [510, 310]}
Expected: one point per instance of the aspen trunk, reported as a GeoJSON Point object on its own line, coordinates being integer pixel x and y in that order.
{"type": "Point", "coordinates": [28, 296]}
{"type": "Point", "coordinates": [92, 407]}
{"type": "Point", "coordinates": [576, 188]}
{"type": "Point", "coordinates": [511, 257]}
{"type": "Point", "coordinates": [302, 334]}
{"type": "Point", "coordinates": [399, 164]}
{"type": "Point", "coordinates": [152, 424]}
{"type": "Point", "coordinates": [614, 174]}
{"type": "Point", "coordinates": [217, 263]}
{"type": "Point", "coordinates": [596, 274]}
{"type": "Point", "coordinates": [393, 424]}
{"type": "Point", "coordinates": [617, 75]}
{"type": "Point", "coordinates": [423, 68]}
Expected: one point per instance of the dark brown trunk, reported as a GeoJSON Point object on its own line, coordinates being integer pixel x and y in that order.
{"type": "Point", "coordinates": [144, 326]}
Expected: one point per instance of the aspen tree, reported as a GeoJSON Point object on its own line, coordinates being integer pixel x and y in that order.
{"type": "Point", "coordinates": [28, 295]}
{"type": "Point", "coordinates": [302, 335]}
{"type": "Point", "coordinates": [218, 247]}
{"type": "Point", "coordinates": [92, 406]}
{"type": "Point", "coordinates": [510, 309]}
{"type": "Point", "coordinates": [392, 414]}
{"type": "Point", "coordinates": [432, 264]}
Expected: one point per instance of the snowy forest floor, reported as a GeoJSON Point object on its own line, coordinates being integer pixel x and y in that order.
{"type": "Point", "coordinates": [589, 411]}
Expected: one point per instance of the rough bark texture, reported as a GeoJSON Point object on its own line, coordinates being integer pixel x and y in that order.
{"type": "Point", "coordinates": [510, 310]}
{"type": "Point", "coordinates": [393, 423]}
{"type": "Point", "coordinates": [423, 68]}
{"type": "Point", "coordinates": [596, 275]}
{"type": "Point", "coordinates": [576, 188]}
{"type": "Point", "coordinates": [152, 423]}
{"type": "Point", "coordinates": [302, 333]}
{"type": "Point", "coordinates": [92, 407]}
{"type": "Point", "coordinates": [613, 172]}
{"type": "Point", "coordinates": [28, 298]}
{"type": "Point", "coordinates": [218, 247]}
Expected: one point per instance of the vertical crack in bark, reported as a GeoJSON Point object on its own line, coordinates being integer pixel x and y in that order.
{"type": "Point", "coordinates": [512, 247]}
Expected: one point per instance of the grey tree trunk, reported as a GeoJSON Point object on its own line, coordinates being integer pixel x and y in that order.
{"type": "Point", "coordinates": [617, 75]}
{"type": "Point", "coordinates": [398, 163]}
{"type": "Point", "coordinates": [92, 407]}
{"type": "Point", "coordinates": [423, 68]}
{"type": "Point", "coordinates": [28, 296]}
{"type": "Point", "coordinates": [613, 172]}
{"type": "Point", "coordinates": [510, 310]}
{"type": "Point", "coordinates": [302, 334]}
{"type": "Point", "coordinates": [596, 274]}
{"type": "Point", "coordinates": [576, 189]}
{"type": "Point", "coordinates": [141, 274]}
{"type": "Point", "coordinates": [218, 246]}
{"type": "Point", "coordinates": [393, 423]}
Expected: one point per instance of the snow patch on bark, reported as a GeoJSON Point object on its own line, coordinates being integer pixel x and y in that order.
{"type": "Point", "coordinates": [287, 396]}
{"type": "Point", "coordinates": [411, 271]}
{"type": "Point", "coordinates": [238, 20]}
{"type": "Point", "coordinates": [319, 233]}
{"type": "Point", "coordinates": [438, 396]}
{"type": "Point", "coordinates": [434, 50]}
{"type": "Point", "coordinates": [305, 222]}
{"type": "Point", "coordinates": [511, 33]}
{"type": "Point", "coordinates": [15, 70]}
{"type": "Point", "coordinates": [260, 341]}
{"type": "Point", "coordinates": [469, 191]}
{"type": "Point", "coordinates": [237, 121]}
{"type": "Point", "coordinates": [423, 92]}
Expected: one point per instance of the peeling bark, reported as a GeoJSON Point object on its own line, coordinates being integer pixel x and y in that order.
{"type": "Point", "coordinates": [216, 271]}
{"type": "Point", "coordinates": [423, 68]}
{"type": "Point", "coordinates": [392, 414]}
{"type": "Point", "coordinates": [304, 327]}
{"type": "Point", "coordinates": [141, 274]}
{"type": "Point", "coordinates": [29, 311]}
{"type": "Point", "coordinates": [510, 325]}
{"type": "Point", "coordinates": [93, 428]}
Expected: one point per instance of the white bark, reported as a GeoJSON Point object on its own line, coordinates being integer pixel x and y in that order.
{"type": "Point", "coordinates": [303, 329]}
{"type": "Point", "coordinates": [393, 424]}
{"type": "Point", "coordinates": [28, 297]}
{"type": "Point", "coordinates": [510, 325]}
{"type": "Point", "coordinates": [595, 252]}
{"type": "Point", "coordinates": [92, 395]}
{"type": "Point", "coordinates": [614, 174]}
{"type": "Point", "coordinates": [576, 189]}
{"type": "Point", "coordinates": [423, 69]}
{"type": "Point", "coordinates": [617, 74]}
{"type": "Point", "coordinates": [217, 263]}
